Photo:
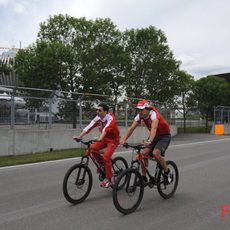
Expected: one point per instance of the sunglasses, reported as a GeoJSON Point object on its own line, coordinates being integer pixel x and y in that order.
{"type": "Point", "coordinates": [99, 110]}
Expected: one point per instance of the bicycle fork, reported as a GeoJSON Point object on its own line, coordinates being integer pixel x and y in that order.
{"type": "Point", "coordinates": [81, 179]}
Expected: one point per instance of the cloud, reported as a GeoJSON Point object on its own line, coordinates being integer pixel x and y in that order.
{"type": "Point", "coordinates": [197, 31]}
{"type": "Point", "coordinates": [4, 2]}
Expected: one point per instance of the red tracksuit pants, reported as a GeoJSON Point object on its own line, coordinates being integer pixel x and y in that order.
{"type": "Point", "coordinates": [110, 145]}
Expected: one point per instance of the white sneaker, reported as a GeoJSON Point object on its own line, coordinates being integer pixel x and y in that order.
{"type": "Point", "coordinates": [168, 177]}
{"type": "Point", "coordinates": [106, 183]}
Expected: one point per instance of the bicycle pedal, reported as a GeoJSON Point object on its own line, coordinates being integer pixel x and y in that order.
{"type": "Point", "coordinates": [151, 185]}
{"type": "Point", "coordinates": [146, 184]}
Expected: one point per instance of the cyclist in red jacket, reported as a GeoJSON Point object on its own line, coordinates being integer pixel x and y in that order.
{"type": "Point", "coordinates": [109, 139]}
{"type": "Point", "coordinates": [159, 135]}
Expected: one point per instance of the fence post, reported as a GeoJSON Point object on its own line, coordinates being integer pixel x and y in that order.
{"type": "Point", "coordinates": [228, 117]}
{"type": "Point", "coordinates": [222, 122]}
{"type": "Point", "coordinates": [126, 115]}
{"type": "Point", "coordinates": [50, 112]}
{"type": "Point", "coordinates": [214, 115]}
{"type": "Point", "coordinates": [12, 112]}
{"type": "Point", "coordinates": [80, 113]}
{"type": "Point", "coordinates": [12, 122]}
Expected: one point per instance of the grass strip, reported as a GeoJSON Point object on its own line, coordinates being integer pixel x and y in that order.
{"type": "Point", "coordinates": [40, 157]}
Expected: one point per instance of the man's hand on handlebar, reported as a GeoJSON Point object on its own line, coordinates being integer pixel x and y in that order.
{"type": "Point", "coordinates": [76, 138]}
{"type": "Point", "coordinates": [122, 142]}
{"type": "Point", "coordinates": [146, 143]}
{"type": "Point", "coordinates": [98, 139]}
{"type": "Point", "coordinates": [126, 145]}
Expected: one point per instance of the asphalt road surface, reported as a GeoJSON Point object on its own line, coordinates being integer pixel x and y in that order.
{"type": "Point", "coordinates": [31, 195]}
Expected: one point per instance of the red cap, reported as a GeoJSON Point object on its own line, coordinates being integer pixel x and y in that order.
{"type": "Point", "coordinates": [142, 104]}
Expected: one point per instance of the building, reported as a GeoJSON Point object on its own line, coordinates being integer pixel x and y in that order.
{"type": "Point", "coordinates": [226, 76]}
{"type": "Point", "coordinates": [11, 78]}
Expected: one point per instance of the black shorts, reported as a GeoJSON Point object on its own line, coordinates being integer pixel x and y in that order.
{"type": "Point", "coordinates": [161, 142]}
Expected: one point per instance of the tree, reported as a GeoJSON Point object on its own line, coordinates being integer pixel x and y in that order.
{"type": "Point", "coordinates": [95, 47]}
{"type": "Point", "coordinates": [184, 100]}
{"type": "Point", "coordinates": [106, 63]}
{"type": "Point", "coordinates": [153, 67]}
{"type": "Point", "coordinates": [75, 55]}
{"type": "Point", "coordinates": [43, 65]}
{"type": "Point", "coordinates": [210, 92]}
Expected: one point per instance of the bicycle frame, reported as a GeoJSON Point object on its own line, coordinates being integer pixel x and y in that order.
{"type": "Point", "coordinates": [139, 160]}
{"type": "Point", "coordinates": [88, 155]}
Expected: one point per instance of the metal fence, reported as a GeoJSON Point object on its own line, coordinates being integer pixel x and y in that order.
{"type": "Point", "coordinates": [22, 107]}
{"type": "Point", "coordinates": [222, 115]}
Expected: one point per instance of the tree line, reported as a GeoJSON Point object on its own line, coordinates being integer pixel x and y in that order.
{"type": "Point", "coordinates": [93, 56]}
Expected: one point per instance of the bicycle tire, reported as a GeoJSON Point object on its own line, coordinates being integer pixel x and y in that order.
{"type": "Point", "coordinates": [125, 198]}
{"type": "Point", "coordinates": [77, 183]}
{"type": "Point", "coordinates": [167, 190]}
{"type": "Point", "coordinates": [119, 164]}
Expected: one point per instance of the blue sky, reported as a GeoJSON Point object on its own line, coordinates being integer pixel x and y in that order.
{"type": "Point", "coordinates": [197, 30]}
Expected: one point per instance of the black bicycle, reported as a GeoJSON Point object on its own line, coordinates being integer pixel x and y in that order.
{"type": "Point", "coordinates": [128, 189]}
{"type": "Point", "coordinates": [78, 180]}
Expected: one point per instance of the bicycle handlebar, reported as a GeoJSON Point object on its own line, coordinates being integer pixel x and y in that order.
{"type": "Point", "coordinates": [137, 147]}
{"type": "Point", "coordinates": [88, 143]}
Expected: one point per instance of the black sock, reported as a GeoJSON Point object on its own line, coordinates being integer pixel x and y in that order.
{"type": "Point", "coordinates": [167, 171]}
{"type": "Point", "coordinates": [145, 179]}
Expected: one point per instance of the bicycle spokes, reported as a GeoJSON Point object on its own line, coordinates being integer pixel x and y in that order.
{"type": "Point", "coordinates": [77, 183]}
{"type": "Point", "coordinates": [167, 188]}
{"type": "Point", "coordinates": [128, 191]}
{"type": "Point", "coordinates": [119, 164]}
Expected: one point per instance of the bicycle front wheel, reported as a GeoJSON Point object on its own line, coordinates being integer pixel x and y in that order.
{"type": "Point", "coordinates": [77, 183]}
{"type": "Point", "coordinates": [128, 191]}
{"type": "Point", "coordinates": [165, 189]}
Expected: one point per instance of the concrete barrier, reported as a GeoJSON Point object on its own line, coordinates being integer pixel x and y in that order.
{"type": "Point", "coordinates": [23, 141]}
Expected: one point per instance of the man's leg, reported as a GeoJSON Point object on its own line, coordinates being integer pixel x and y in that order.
{"type": "Point", "coordinates": [145, 155]}
{"type": "Point", "coordinates": [107, 159]}
{"type": "Point", "coordinates": [167, 173]}
{"type": "Point", "coordinates": [95, 150]}
{"type": "Point", "coordinates": [158, 157]}
{"type": "Point", "coordinates": [160, 148]}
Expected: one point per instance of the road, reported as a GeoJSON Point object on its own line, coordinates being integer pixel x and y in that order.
{"type": "Point", "coordinates": [31, 196]}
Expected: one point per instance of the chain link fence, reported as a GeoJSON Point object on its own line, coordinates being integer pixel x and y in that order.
{"type": "Point", "coordinates": [27, 108]}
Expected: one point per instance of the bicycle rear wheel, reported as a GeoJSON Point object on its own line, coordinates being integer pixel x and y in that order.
{"type": "Point", "coordinates": [119, 164]}
{"type": "Point", "coordinates": [77, 183]}
{"type": "Point", "coordinates": [167, 190]}
{"type": "Point", "coordinates": [128, 191]}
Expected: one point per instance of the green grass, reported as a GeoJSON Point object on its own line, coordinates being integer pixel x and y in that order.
{"type": "Point", "coordinates": [39, 157]}
{"type": "Point", "coordinates": [201, 129]}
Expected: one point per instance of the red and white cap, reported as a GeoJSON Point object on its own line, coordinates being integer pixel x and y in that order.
{"type": "Point", "coordinates": [142, 104]}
